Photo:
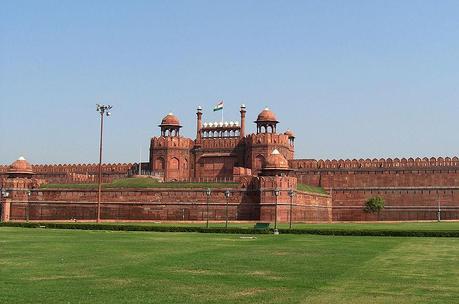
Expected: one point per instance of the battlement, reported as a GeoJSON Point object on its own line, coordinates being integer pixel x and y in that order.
{"type": "Point", "coordinates": [267, 138]}
{"type": "Point", "coordinates": [171, 142]}
{"type": "Point", "coordinates": [375, 163]}
{"type": "Point", "coordinates": [76, 168]}
{"type": "Point", "coordinates": [221, 143]}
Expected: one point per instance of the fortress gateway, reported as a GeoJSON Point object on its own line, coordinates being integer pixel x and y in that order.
{"type": "Point", "coordinates": [267, 182]}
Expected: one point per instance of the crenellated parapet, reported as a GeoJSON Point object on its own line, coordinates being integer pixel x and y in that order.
{"type": "Point", "coordinates": [176, 142]}
{"type": "Point", "coordinates": [388, 163]}
{"type": "Point", "coordinates": [81, 168]}
{"type": "Point", "coordinates": [267, 139]}
{"type": "Point", "coordinates": [221, 143]}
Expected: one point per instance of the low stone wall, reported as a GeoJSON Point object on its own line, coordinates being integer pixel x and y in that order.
{"type": "Point", "coordinates": [163, 205]}
{"type": "Point", "coordinates": [401, 203]}
{"type": "Point", "coordinates": [136, 204]}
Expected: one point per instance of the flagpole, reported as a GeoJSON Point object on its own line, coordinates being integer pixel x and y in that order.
{"type": "Point", "coordinates": [222, 113]}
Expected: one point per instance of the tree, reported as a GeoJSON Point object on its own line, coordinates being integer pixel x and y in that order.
{"type": "Point", "coordinates": [374, 205]}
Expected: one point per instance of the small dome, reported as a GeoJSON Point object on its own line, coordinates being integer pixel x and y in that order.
{"type": "Point", "coordinates": [266, 116]}
{"type": "Point", "coordinates": [276, 161]}
{"type": "Point", "coordinates": [170, 120]}
{"type": "Point", "coordinates": [289, 133]}
{"type": "Point", "coordinates": [20, 166]}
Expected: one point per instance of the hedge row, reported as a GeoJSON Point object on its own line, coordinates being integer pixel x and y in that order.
{"type": "Point", "coordinates": [90, 226]}
{"type": "Point", "coordinates": [235, 230]}
{"type": "Point", "coordinates": [374, 232]}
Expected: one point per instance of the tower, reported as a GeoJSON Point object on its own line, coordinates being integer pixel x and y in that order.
{"type": "Point", "coordinates": [275, 185]}
{"type": "Point", "coordinates": [266, 140]}
{"type": "Point", "coordinates": [170, 153]}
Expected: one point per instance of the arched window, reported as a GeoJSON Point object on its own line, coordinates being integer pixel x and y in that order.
{"type": "Point", "coordinates": [259, 161]}
{"type": "Point", "coordinates": [159, 163]}
{"type": "Point", "coordinates": [174, 163]}
{"type": "Point", "coordinates": [185, 164]}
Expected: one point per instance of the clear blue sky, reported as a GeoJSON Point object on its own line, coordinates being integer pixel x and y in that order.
{"type": "Point", "coordinates": [353, 79]}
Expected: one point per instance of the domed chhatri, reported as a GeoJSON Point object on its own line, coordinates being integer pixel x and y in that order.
{"type": "Point", "coordinates": [289, 133]}
{"type": "Point", "coordinates": [20, 167]}
{"type": "Point", "coordinates": [170, 126]}
{"type": "Point", "coordinates": [170, 120]}
{"type": "Point", "coordinates": [267, 116]}
{"type": "Point", "coordinates": [266, 122]}
{"type": "Point", "coordinates": [276, 161]}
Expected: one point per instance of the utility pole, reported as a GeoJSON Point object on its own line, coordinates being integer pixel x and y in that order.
{"type": "Point", "coordinates": [227, 195]}
{"type": "Point", "coordinates": [102, 109]}
{"type": "Point", "coordinates": [291, 193]}
{"type": "Point", "coordinates": [439, 211]}
{"type": "Point", "coordinates": [208, 193]}
{"type": "Point", "coordinates": [276, 194]}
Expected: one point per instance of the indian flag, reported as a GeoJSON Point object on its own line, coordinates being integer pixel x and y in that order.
{"type": "Point", "coordinates": [219, 106]}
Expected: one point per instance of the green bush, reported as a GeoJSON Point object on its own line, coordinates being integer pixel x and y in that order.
{"type": "Point", "coordinates": [235, 230]}
{"type": "Point", "coordinates": [133, 227]}
{"type": "Point", "coordinates": [374, 205]}
{"type": "Point", "coordinates": [376, 232]}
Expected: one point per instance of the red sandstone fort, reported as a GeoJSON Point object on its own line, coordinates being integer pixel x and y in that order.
{"type": "Point", "coordinates": [262, 164]}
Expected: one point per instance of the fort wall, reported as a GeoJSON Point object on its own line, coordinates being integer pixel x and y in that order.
{"type": "Point", "coordinates": [146, 204]}
{"type": "Point", "coordinates": [411, 187]}
{"type": "Point", "coordinates": [76, 173]}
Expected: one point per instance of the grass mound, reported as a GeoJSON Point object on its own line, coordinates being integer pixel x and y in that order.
{"type": "Point", "coordinates": [140, 183]}
{"type": "Point", "coordinates": [309, 188]}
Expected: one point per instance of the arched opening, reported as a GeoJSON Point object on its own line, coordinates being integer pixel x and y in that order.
{"type": "Point", "coordinates": [159, 164]}
{"type": "Point", "coordinates": [174, 163]}
{"type": "Point", "coordinates": [259, 161]}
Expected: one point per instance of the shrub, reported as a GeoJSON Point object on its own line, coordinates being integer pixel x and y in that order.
{"type": "Point", "coordinates": [374, 205]}
{"type": "Point", "coordinates": [237, 230]}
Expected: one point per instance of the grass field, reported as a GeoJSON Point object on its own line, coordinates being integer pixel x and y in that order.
{"type": "Point", "coordinates": [72, 266]}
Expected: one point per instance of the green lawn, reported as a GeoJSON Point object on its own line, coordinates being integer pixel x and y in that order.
{"type": "Point", "coordinates": [72, 266]}
{"type": "Point", "coordinates": [309, 188]}
{"type": "Point", "coordinates": [140, 183]}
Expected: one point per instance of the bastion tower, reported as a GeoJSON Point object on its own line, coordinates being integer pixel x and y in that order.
{"type": "Point", "coordinates": [266, 140]}
{"type": "Point", "coordinates": [170, 152]}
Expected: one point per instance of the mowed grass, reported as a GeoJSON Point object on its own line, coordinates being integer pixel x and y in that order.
{"type": "Point", "coordinates": [68, 266]}
{"type": "Point", "coordinates": [141, 183]}
{"type": "Point", "coordinates": [145, 183]}
{"type": "Point", "coordinates": [309, 188]}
